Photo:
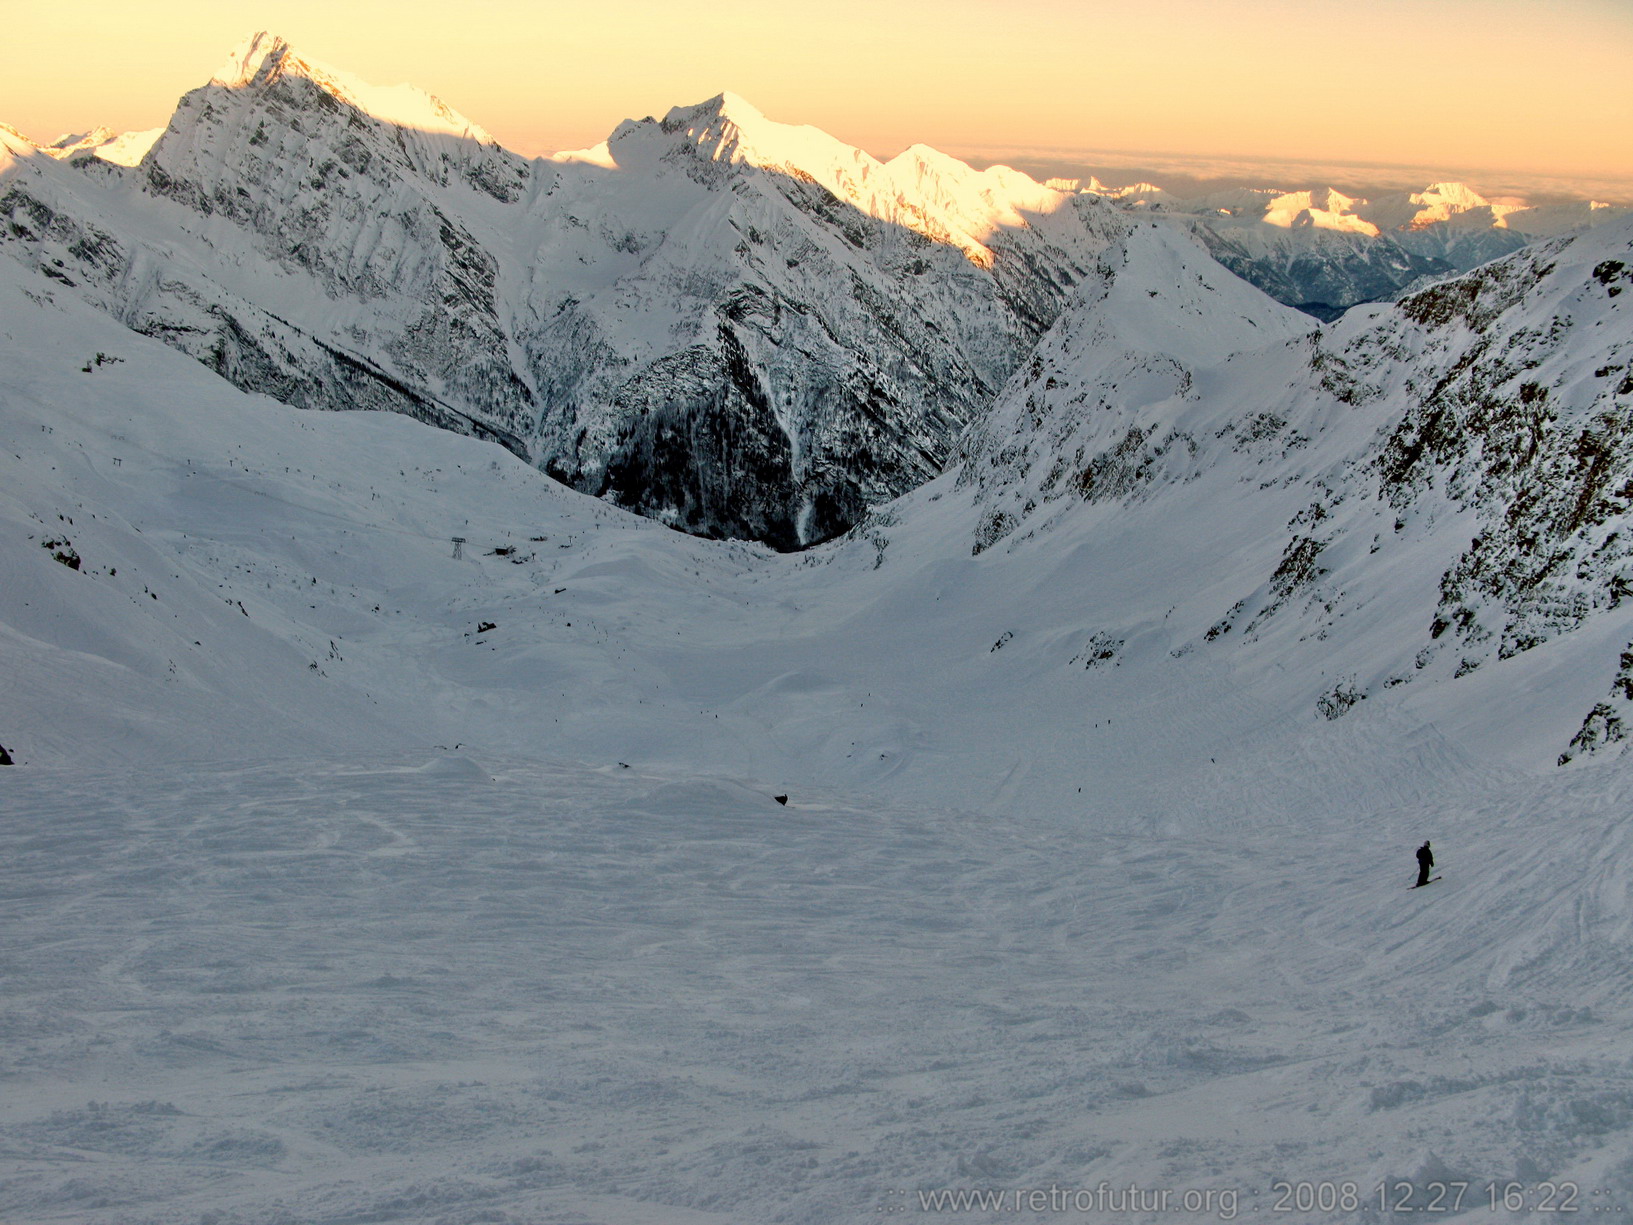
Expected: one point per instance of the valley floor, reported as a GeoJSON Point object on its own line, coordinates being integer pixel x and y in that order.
{"type": "Point", "coordinates": [432, 987]}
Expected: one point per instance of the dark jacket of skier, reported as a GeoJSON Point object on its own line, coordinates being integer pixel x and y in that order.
{"type": "Point", "coordinates": [1426, 863]}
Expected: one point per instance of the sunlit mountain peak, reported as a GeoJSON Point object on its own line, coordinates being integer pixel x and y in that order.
{"type": "Point", "coordinates": [263, 59]}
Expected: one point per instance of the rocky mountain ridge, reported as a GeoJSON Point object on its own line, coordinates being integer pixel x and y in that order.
{"type": "Point", "coordinates": [1419, 491]}
{"type": "Point", "coordinates": [734, 326]}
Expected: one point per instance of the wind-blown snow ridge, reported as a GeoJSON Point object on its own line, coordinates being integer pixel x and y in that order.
{"type": "Point", "coordinates": [922, 189]}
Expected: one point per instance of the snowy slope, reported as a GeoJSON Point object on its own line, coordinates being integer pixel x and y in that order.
{"type": "Point", "coordinates": [347, 879]}
{"type": "Point", "coordinates": [324, 903]}
{"type": "Point", "coordinates": [1417, 493]}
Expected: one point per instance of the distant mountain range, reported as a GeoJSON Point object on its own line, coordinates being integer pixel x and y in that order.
{"type": "Point", "coordinates": [737, 327]}
{"type": "Point", "coordinates": [1324, 252]}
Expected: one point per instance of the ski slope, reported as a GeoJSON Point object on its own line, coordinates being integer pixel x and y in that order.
{"type": "Point", "coordinates": [322, 904]}
{"type": "Point", "coordinates": [432, 987]}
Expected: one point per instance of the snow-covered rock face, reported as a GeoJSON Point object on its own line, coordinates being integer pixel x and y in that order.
{"type": "Point", "coordinates": [1088, 413]}
{"type": "Point", "coordinates": [1461, 459]}
{"type": "Point", "coordinates": [295, 244]}
{"type": "Point", "coordinates": [792, 330]}
{"type": "Point", "coordinates": [735, 326]}
{"type": "Point", "coordinates": [1519, 414]}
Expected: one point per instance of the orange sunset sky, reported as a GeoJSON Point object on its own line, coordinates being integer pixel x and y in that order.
{"type": "Point", "coordinates": [1507, 94]}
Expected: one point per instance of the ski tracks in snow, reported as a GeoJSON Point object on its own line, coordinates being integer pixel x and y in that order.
{"type": "Point", "coordinates": [429, 988]}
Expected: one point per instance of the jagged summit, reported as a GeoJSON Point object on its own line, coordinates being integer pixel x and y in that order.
{"type": "Point", "coordinates": [263, 59]}
{"type": "Point", "coordinates": [923, 163]}
{"type": "Point", "coordinates": [255, 61]}
{"type": "Point", "coordinates": [75, 140]}
{"type": "Point", "coordinates": [1322, 208]}
{"type": "Point", "coordinates": [731, 130]}
{"type": "Point", "coordinates": [928, 155]}
{"type": "Point", "coordinates": [724, 105]}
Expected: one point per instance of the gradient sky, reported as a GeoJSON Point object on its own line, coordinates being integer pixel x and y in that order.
{"type": "Point", "coordinates": [1516, 87]}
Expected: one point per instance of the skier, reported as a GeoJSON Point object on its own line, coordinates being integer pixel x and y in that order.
{"type": "Point", "coordinates": [1426, 862]}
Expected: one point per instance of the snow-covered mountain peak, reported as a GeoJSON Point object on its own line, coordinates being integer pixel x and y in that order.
{"type": "Point", "coordinates": [922, 165]}
{"type": "Point", "coordinates": [730, 130]}
{"type": "Point", "coordinates": [981, 201]}
{"type": "Point", "coordinates": [14, 143]}
{"type": "Point", "coordinates": [724, 107]}
{"type": "Point", "coordinates": [1322, 208]}
{"type": "Point", "coordinates": [254, 61]}
{"type": "Point", "coordinates": [921, 189]}
{"type": "Point", "coordinates": [263, 59]}
{"type": "Point", "coordinates": [248, 138]}
{"type": "Point", "coordinates": [1164, 295]}
{"type": "Point", "coordinates": [79, 140]}
{"type": "Point", "coordinates": [1119, 366]}
{"type": "Point", "coordinates": [723, 128]}
{"type": "Point", "coordinates": [119, 148]}
{"type": "Point", "coordinates": [926, 157]}
{"type": "Point", "coordinates": [1458, 195]}
{"type": "Point", "coordinates": [1321, 199]}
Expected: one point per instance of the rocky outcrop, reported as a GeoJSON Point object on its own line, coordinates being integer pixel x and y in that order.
{"type": "Point", "coordinates": [1463, 458]}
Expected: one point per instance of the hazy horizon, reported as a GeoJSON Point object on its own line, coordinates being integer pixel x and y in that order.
{"type": "Point", "coordinates": [1197, 174]}
{"type": "Point", "coordinates": [1191, 173]}
{"type": "Point", "coordinates": [1514, 97]}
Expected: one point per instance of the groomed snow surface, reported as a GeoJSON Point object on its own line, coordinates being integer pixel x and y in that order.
{"type": "Point", "coordinates": [318, 903]}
